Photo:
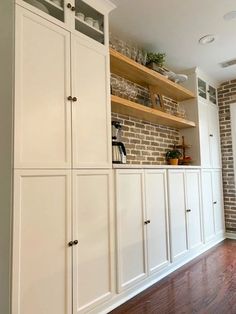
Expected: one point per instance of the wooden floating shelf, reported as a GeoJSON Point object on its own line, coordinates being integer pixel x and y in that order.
{"type": "Point", "coordinates": [137, 73]}
{"type": "Point", "coordinates": [127, 107]}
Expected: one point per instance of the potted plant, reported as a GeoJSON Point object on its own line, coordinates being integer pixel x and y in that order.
{"type": "Point", "coordinates": [155, 61]}
{"type": "Point", "coordinates": [172, 157]}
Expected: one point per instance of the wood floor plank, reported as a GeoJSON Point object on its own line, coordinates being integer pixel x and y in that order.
{"type": "Point", "coordinates": [206, 285]}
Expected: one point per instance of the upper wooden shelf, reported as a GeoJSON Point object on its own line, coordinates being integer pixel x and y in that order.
{"type": "Point", "coordinates": [127, 107]}
{"type": "Point", "coordinates": [137, 73]}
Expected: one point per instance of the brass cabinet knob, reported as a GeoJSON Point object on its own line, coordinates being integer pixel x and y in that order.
{"type": "Point", "coordinates": [69, 5]}
{"type": "Point", "coordinates": [72, 8]}
{"type": "Point", "coordinates": [74, 99]}
{"type": "Point", "coordinates": [70, 98]}
{"type": "Point", "coordinates": [70, 243]}
{"type": "Point", "coordinates": [75, 242]}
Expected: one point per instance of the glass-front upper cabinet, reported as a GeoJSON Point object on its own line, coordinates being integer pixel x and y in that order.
{"type": "Point", "coordinates": [89, 21]}
{"type": "Point", "coordinates": [202, 88]}
{"type": "Point", "coordinates": [207, 91]}
{"type": "Point", "coordinates": [212, 94]}
{"type": "Point", "coordinates": [54, 8]}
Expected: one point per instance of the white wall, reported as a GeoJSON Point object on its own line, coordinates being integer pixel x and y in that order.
{"type": "Point", "coordinates": [6, 105]}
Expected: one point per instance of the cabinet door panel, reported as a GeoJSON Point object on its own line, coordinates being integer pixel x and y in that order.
{"type": "Point", "coordinates": [177, 207]}
{"type": "Point", "coordinates": [193, 196]}
{"type": "Point", "coordinates": [204, 135]}
{"type": "Point", "coordinates": [42, 112]}
{"type": "Point", "coordinates": [207, 200]}
{"type": "Point", "coordinates": [92, 256]}
{"type": "Point", "coordinates": [215, 139]}
{"type": "Point", "coordinates": [130, 229]}
{"type": "Point", "coordinates": [157, 213]}
{"type": "Point", "coordinates": [91, 114]}
{"type": "Point", "coordinates": [218, 202]}
{"type": "Point", "coordinates": [42, 229]}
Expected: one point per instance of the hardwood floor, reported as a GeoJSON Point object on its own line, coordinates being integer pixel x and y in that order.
{"type": "Point", "coordinates": [206, 285]}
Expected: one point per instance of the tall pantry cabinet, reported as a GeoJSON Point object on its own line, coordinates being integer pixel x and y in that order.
{"type": "Point", "coordinates": [62, 213]}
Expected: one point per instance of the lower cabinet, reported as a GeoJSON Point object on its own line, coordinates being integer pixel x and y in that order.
{"type": "Point", "coordinates": [142, 225]}
{"type": "Point", "coordinates": [92, 263]}
{"type": "Point", "coordinates": [42, 262]}
{"type": "Point", "coordinates": [184, 192]}
{"type": "Point", "coordinates": [213, 211]}
{"type": "Point", "coordinates": [62, 244]}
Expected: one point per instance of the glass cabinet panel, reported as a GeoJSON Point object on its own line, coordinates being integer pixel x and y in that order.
{"type": "Point", "coordinates": [54, 8]}
{"type": "Point", "coordinates": [89, 21]}
{"type": "Point", "coordinates": [212, 94]}
{"type": "Point", "coordinates": [202, 90]}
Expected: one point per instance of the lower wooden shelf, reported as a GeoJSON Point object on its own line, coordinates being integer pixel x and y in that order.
{"type": "Point", "coordinates": [130, 108]}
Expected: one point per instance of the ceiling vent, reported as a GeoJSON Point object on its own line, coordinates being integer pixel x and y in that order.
{"type": "Point", "coordinates": [228, 63]}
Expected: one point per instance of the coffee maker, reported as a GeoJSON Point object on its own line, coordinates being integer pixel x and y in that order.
{"type": "Point", "coordinates": [118, 148]}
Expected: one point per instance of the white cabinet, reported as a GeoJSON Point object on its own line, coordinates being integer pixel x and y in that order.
{"type": "Point", "coordinates": [91, 114]}
{"type": "Point", "coordinates": [185, 211]}
{"type": "Point", "coordinates": [131, 235]}
{"type": "Point", "coordinates": [142, 225]}
{"type": "Point", "coordinates": [209, 135]}
{"type": "Point", "coordinates": [193, 202]}
{"type": "Point", "coordinates": [207, 91]}
{"type": "Point", "coordinates": [65, 14]}
{"type": "Point", "coordinates": [157, 213]}
{"type": "Point", "coordinates": [48, 124]}
{"type": "Point", "coordinates": [42, 229]}
{"type": "Point", "coordinates": [92, 227]}
{"type": "Point", "coordinates": [177, 207]}
{"type": "Point", "coordinates": [42, 84]}
{"type": "Point", "coordinates": [208, 211]}
{"type": "Point", "coordinates": [213, 208]}
{"type": "Point", "coordinates": [45, 229]}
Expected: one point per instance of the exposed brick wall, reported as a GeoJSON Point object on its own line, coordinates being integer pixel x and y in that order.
{"type": "Point", "coordinates": [227, 96]}
{"type": "Point", "coordinates": [146, 143]}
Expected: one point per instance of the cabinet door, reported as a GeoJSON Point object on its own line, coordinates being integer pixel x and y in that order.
{"type": "Point", "coordinates": [218, 201]}
{"type": "Point", "coordinates": [193, 198]}
{"type": "Point", "coordinates": [130, 228]}
{"type": "Point", "coordinates": [42, 112]}
{"type": "Point", "coordinates": [92, 209]}
{"type": "Point", "coordinates": [41, 256]}
{"type": "Point", "coordinates": [204, 135]}
{"type": "Point", "coordinates": [91, 114]}
{"type": "Point", "coordinates": [177, 208]}
{"type": "Point", "coordinates": [157, 213]}
{"type": "Point", "coordinates": [53, 10]}
{"type": "Point", "coordinates": [214, 136]}
{"type": "Point", "coordinates": [208, 211]}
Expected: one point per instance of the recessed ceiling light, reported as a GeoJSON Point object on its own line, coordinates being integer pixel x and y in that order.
{"type": "Point", "coordinates": [230, 16]}
{"type": "Point", "coordinates": [207, 39]}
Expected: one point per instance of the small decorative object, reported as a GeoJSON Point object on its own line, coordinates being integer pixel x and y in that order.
{"type": "Point", "coordinates": [155, 59]}
{"type": "Point", "coordinates": [57, 2]}
{"type": "Point", "coordinates": [38, 5]}
{"type": "Point", "coordinates": [184, 160]}
{"type": "Point", "coordinates": [96, 24]}
{"type": "Point", "coordinates": [80, 15]}
{"type": "Point", "coordinates": [157, 99]}
{"type": "Point", "coordinates": [180, 111]}
{"type": "Point", "coordinates": [89, 20]}
{"type": "Point", "coordinates": [173, 156]}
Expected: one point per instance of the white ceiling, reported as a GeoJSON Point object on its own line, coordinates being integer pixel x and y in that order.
{"type": "Point", "coordinates": [175, 26]}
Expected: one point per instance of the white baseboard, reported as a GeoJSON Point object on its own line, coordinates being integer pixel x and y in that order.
{"type": "Point", "coordinates": [230, 235]}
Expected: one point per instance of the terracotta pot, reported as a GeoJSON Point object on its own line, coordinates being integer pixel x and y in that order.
{"type": "Point", "coordinates": [174, 162]}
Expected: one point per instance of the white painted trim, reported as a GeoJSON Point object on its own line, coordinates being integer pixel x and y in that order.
{"type": "Point", "coordinates": [229, 235]}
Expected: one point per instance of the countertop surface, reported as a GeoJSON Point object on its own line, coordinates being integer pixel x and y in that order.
{"type": "Point", "coordinates": [134, 166]}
